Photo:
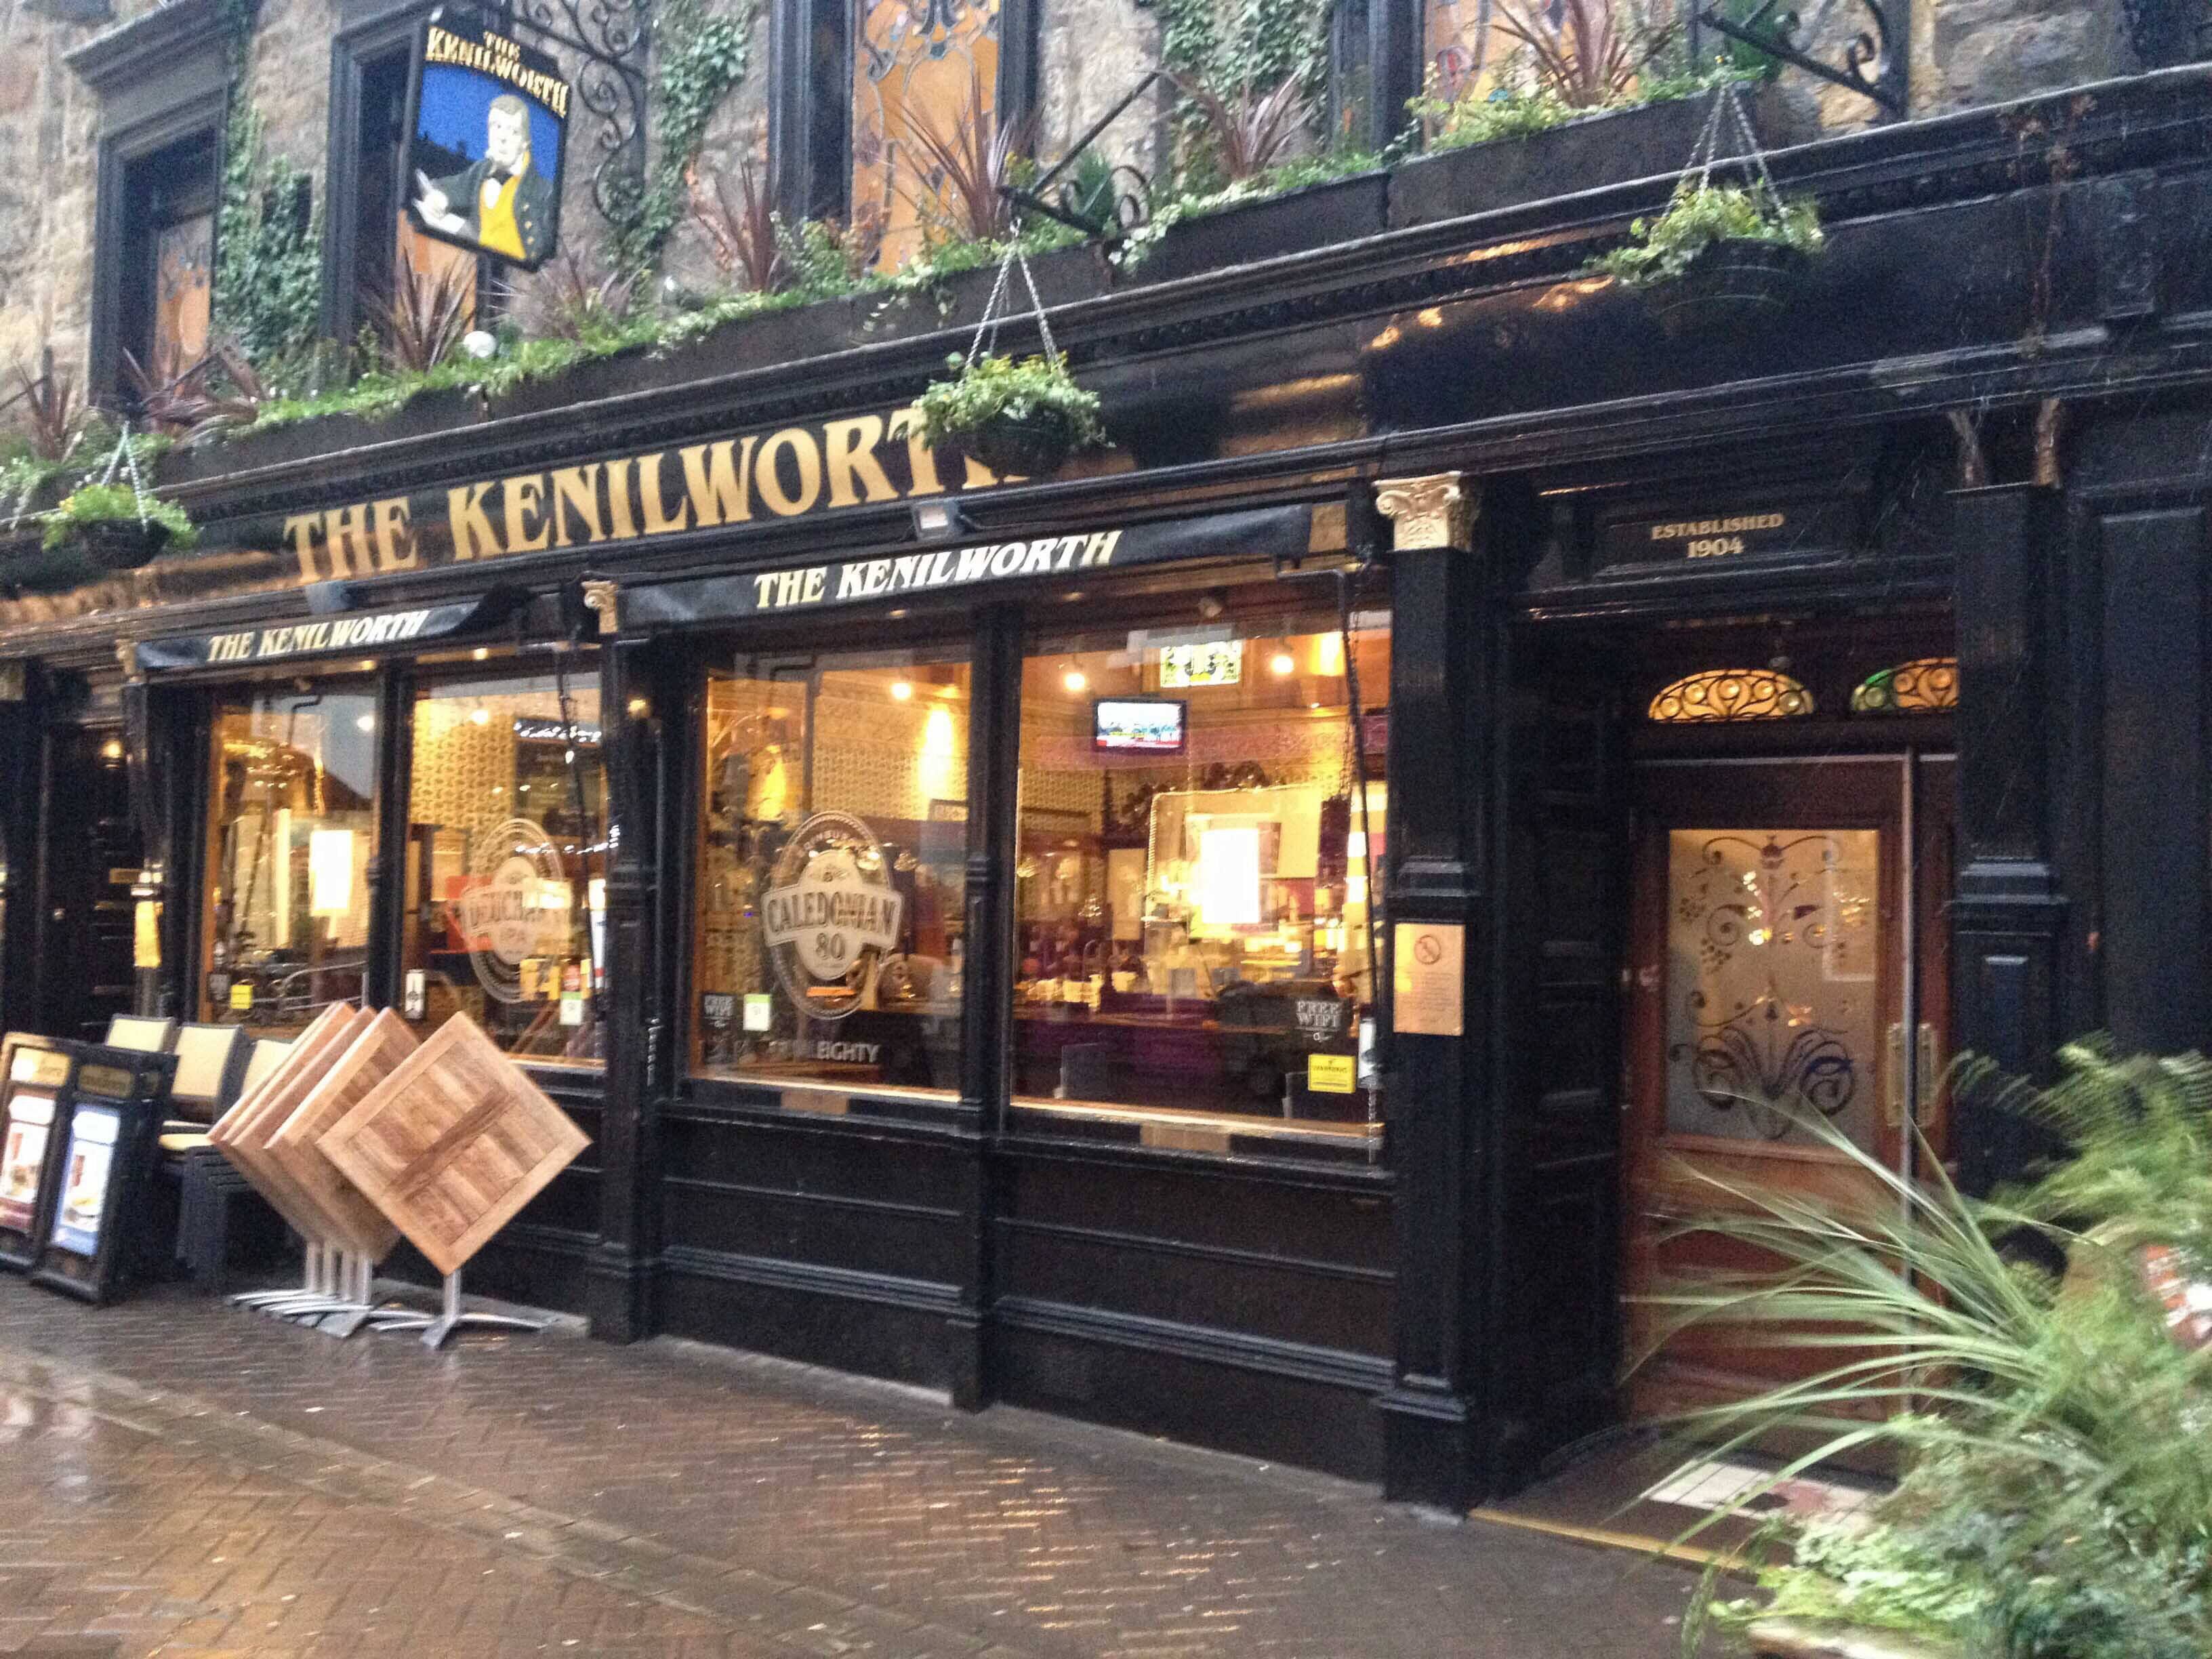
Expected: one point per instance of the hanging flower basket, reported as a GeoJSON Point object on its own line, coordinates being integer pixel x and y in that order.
{"type": "Point", "coordinates": [1020, 416]}
{"type": "Point", "coordinates": [1032, 445]}
{"type": "Point", "coordinates": [1731, 279]}
{"type": "Point", "coordinates": [1720, 253]}
{"type": "Point", "coordinates": [120, 544]}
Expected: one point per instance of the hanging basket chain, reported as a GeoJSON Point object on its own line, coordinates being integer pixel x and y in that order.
{"type": "Point", "coordinates": [986, 342]}
{"type": "Point", "coordinates": [127, 456]}
{"type": "Point", "coordinates": [1705, 156]}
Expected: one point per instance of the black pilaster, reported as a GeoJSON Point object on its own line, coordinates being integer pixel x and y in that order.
{"type": "Point", "coordinates": [1444, 643]}
{"type": "Point", "coordinates": [151, 737]}
{"type": "Point", "coordinates": [2009, 908]}
{"type": "Point", "coordinates": [387, 867]}
{"type": "Point", "coordinates": [2152, 730]}
{"type": "Point", "coordinates": [22, 723]}
{"type": "Point", "coordinates": [619, 1291]}
{"type": "Point", "coordinates": [986, 1010]}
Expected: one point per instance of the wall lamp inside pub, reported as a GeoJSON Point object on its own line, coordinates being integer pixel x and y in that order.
{"type": "Point", "coordinates": [934, 521]}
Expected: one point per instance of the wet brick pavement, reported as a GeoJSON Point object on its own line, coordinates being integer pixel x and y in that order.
{"type": "Point", "coordinates": [187, 1478]}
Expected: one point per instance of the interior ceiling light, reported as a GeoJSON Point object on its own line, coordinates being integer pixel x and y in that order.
{"type": "Point", "coordinates": [901, 690]}
{"type": "Point", "coordinates": [1075, 680]}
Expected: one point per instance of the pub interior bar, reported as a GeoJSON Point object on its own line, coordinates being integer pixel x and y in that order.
{"type": "Point", "coordinates": [1234, 939]}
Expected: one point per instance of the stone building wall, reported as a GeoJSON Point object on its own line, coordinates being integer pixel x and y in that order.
{"type": "Point", "coordinates": [1964, 52]}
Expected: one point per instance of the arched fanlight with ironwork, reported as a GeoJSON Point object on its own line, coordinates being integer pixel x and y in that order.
{"type": "Point", "coordinates": [1924, 685]}
{"type": "Point", "coordinates": [1731, 694]}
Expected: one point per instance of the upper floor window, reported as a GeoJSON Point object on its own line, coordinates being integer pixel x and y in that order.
{"type": "Point", "coordinates": [373, 245]}
{"type": "Point", "coordinates": [925, 106]}
{"type": "Point", "coordinates": [167, 290]}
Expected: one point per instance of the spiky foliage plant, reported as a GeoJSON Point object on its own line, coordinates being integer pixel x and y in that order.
{"type": "Point", "coordinates": [745, 234]}
{"type": "Point", "coordinates": [959, 190]}
{"type": "Point", "coordinates": [2056, 1438]}
{"type": "Point", "coordinates": [1593, 56]}
{"type": "Point", "coordinates": [1245, 131]}
{"type": "Point", "coordinates": [421, 322]}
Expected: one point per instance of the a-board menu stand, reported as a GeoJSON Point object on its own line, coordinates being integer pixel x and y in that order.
{"type": "Point", "coordinates": [114, 1103]}
{"type": "Point", "coordinates": [33, 1070]}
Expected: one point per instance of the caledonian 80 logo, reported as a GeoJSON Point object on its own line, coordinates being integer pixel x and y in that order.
{"type": "Point", "coordinates": [831, 915]}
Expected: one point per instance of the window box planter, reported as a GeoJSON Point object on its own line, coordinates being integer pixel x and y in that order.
{"type": "Point", "coordinates": [443, 411]}
{"type": "Point", "coordinates": [1613, 148]}
{"type": "Point", "coordinates": [1319, 216]}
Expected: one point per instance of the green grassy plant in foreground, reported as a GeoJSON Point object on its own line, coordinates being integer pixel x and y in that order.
{"type": "Point", "coordinates": [2054, 1433]}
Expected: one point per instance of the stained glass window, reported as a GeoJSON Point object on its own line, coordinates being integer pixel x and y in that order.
{"type": "Point", "coordinates": [1460, 49]}
{"type": "Point", "coordinates": [183, 292]}
{"type": "Point", "coordinates": [1731, 694]}
{"type": "Point", "coordinates": [916, 63]}
{"type": "Point", "coordinates": [1922, 686]}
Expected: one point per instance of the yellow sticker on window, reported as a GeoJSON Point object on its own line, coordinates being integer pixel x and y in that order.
{"type": "Point", "coordinates": [1330, 1074]}
{"type": "Point", "coordinates": [241, 997]}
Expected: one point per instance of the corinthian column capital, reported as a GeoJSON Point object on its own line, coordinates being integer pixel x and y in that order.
{"type": "Point", "coordinates": [1434, 512]}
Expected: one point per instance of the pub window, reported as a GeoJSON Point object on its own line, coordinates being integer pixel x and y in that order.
{"type": "Point", "coordinates": [830, 885]}
{"type": "Point", "coordinates": [291, 827]}
{"type": "Point", "coordinates": [505, 863]}
{"type": "Point", "coordinates": [1194, 929]}
{"type": "Point", "coordinates": [166, 291]}
{"type": "Point", "coordinates": [1730, 694]}
{"type": "Point", "coordinates": [920, 68]}
{"type": "Point", "coordinates": [1924, 685]}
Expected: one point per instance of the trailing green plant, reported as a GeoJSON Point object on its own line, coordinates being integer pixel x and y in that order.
{"type": "Point", "coordinates": [1504, 111]}
{"type": "Point", "coordinates": [115, 503]}
{"type": "Point", "coordinates": [268, 263]}
{"type": "Point", "coordinates": [701, 55]}
{"type": "Point", "coordinates": [1701, 215]}
{"type": "Point", "coordinates": [995, 388]}
{"type": "Point", "coordinates": [2055, 1434]}
{"type": "Point", "coordinates": [1232, 46]}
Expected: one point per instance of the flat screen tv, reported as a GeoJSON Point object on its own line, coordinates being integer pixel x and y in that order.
{"type": "Point", "coordinates": [1139, 725]}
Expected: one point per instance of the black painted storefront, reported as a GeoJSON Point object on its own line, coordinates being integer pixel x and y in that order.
{"type": "Point", "coordinates": [1437, 1316]}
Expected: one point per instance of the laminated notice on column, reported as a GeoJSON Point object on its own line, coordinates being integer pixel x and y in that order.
{"type": "Point", "coordinates": [1428, 963]}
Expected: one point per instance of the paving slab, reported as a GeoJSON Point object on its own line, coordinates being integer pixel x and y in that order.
{"type": "Point", "coordinates": [197, 1479]}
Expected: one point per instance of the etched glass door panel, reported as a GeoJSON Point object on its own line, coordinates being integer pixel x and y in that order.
{"type": "Point", "coordinates": [1774, 1007]}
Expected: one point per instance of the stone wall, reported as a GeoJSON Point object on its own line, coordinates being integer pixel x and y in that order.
{"type": "Point", "coordinates": [1963, 52]}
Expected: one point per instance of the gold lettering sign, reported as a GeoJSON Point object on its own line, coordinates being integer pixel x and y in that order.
{"type": "Point", "coordinates": [783, 474]}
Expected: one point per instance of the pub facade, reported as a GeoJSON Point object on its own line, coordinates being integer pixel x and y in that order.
{"type": "Point", "coordinates": [1238, 939]}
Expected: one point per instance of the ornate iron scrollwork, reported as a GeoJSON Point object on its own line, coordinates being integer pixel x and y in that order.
{"type": "Point", "coordinates": [1880, 48]}
{"type": "Point", "coordinates": [611, 37]}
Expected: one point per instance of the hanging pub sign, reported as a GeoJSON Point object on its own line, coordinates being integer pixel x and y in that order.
{"type": "Point", "coordinates": [111, 1105]}
{"type": "Point", "coordinates": [33, 1070]}
{"type": "Point", "coordinates": [487, 124]}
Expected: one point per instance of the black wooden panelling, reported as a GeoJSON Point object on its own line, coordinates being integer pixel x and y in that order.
{"type": "Point", "coordinates": [867, 1234]}
{"type": "Point", "coordinates": [852, 1321]}
{"type": "Point", "coordinates": [1147, 1382]}
{"type": "Point", "coordinates": [1279, 1297]}
{"type": "Point", "coordinates": [1345, 1220]}
{"type": "Point", "coordinates": [2152, 740]}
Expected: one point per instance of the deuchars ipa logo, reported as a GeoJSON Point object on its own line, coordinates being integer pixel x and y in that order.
{"type": "Point", "coordinates": [830, 914]}
{"type": "Point", "coordinates": [515, 906]}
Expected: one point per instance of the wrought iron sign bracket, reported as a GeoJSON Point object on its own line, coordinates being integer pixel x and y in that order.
{"type": "Point", "coordinates": [1033, 196]}
{"type": "Point", "coordinates": [1883, 45]}
{"type": "Point", "coordinates": [612, 38]}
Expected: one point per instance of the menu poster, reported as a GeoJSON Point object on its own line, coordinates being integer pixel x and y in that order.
{"type": "Point", "coordinates": [93, 1134]}
{"type": "Point", "coordinates": [23, 1159]}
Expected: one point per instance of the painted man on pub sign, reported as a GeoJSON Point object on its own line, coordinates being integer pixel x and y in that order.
{"type": "Point", "coordinates": [479, 88]}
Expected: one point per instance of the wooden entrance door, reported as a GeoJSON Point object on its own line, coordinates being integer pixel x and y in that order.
{"type": "Point", "coordinates": [1787, 959]}
{"type": "Point", "coordinates": [91, 853]}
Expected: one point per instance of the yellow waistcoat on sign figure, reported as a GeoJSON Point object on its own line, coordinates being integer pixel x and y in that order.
{"type": "Point", "coordinates": [495, 226]}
